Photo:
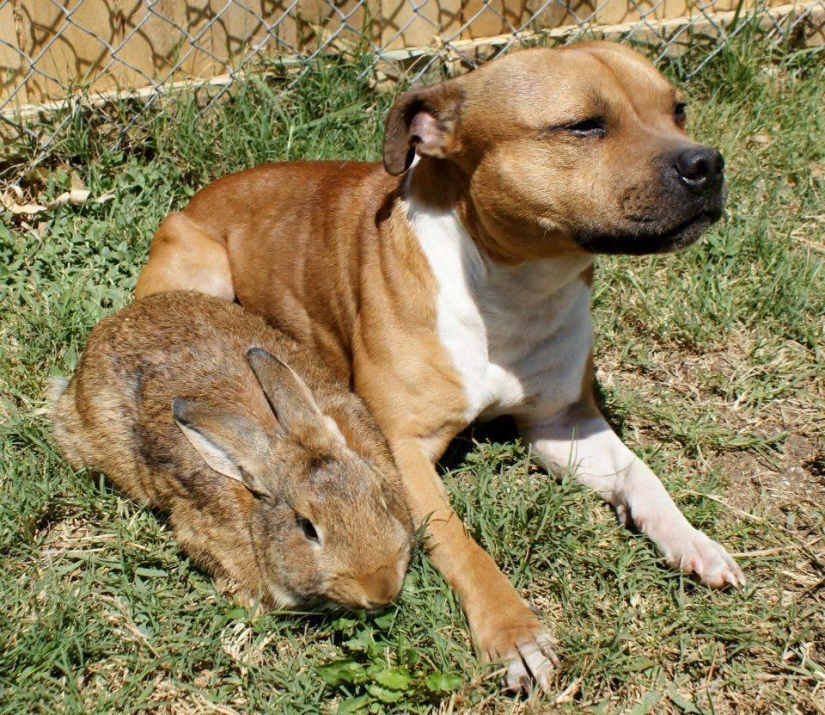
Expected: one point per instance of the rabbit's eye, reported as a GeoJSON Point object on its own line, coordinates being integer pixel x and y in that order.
{"type": "Point", "coordinates": [308, 529]}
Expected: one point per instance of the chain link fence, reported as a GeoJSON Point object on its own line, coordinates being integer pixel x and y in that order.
{"type": "Point", "coordinates": [59, 54]}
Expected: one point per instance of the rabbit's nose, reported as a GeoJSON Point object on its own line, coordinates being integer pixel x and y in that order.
{"type": "Point", "coordinates": [381, 586]}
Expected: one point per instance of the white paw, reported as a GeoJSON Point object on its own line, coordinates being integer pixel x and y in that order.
{"type": "Point", "coordinates": [533, 662]}
{"type": "Point", "coordinates": [691, 551]}
{"type": "Point", "coordinates": [523, 646]}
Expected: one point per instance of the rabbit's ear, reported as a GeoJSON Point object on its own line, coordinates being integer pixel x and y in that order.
{"type": "Point", "coordinates": [229, 444]}
{"type": "Point", "coordinates": [287, 394]}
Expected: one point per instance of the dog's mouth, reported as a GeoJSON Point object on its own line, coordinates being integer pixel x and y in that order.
{"type": "Point", "coordinates": [646, 242]}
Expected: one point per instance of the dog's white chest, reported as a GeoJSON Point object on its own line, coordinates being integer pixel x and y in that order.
{"type": "Point", "coordinates": [518, 336]}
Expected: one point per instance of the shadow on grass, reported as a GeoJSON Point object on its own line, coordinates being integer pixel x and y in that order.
{"type": "Point", "coordinates": [503, 430]}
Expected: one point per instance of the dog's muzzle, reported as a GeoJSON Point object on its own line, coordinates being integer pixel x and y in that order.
{"type": "Point", "coordinates": [669, 216]}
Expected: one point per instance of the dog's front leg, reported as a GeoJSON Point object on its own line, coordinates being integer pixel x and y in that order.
{"type": "Point", "coordinates": [504, 629]}
{"type": "Point", "coordinates": [580, 439]}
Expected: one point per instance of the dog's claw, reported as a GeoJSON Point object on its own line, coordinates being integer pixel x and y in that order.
{"type": "Point", "coordinates": [532, 663]}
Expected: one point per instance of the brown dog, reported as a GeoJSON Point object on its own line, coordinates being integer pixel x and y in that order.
{"type": "Point", "coordinates": [462, 290]}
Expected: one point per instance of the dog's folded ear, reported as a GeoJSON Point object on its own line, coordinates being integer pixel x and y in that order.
{"type": "Point", "coordinates": [422, 121]}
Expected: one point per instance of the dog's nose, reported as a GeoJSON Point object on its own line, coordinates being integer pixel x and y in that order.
{"type": "Point", "coordinates": [700, 169]}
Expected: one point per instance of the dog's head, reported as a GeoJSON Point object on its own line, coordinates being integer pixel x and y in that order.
{"type": "Point", "coordinates": [578, 148]}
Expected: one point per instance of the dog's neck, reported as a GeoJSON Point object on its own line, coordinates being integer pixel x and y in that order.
{"type": "Point", "coordinates": [438, 213]}
{"type": "Point", "coordinates": [437, 198]}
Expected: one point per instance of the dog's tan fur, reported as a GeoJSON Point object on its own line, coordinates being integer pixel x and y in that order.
{"type": "Point", "coordinates": [330, 251]}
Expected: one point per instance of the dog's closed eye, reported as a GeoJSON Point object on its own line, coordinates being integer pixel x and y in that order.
{"type": "Point", "coordinates": [593, 127]}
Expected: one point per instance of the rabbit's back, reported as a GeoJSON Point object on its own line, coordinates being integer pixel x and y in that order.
{"type": "Point", "coordinates": [115, 414]}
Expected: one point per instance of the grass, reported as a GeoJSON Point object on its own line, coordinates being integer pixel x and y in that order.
{"type": "Point", "coordinates": [710, 366]}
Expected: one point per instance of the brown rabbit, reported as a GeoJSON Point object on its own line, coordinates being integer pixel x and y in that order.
{"type": "Point", "coordinates": [272, 472]}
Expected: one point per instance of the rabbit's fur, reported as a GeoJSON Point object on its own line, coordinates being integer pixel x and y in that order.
{"type": "Point", "coordinates": [281, 482]}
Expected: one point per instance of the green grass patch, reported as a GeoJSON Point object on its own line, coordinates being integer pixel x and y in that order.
{"type": "Point", "coordinates": [710, 366]}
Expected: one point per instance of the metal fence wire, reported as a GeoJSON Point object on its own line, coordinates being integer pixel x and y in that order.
{"type": "Point", "coordinates": [55, 54]}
